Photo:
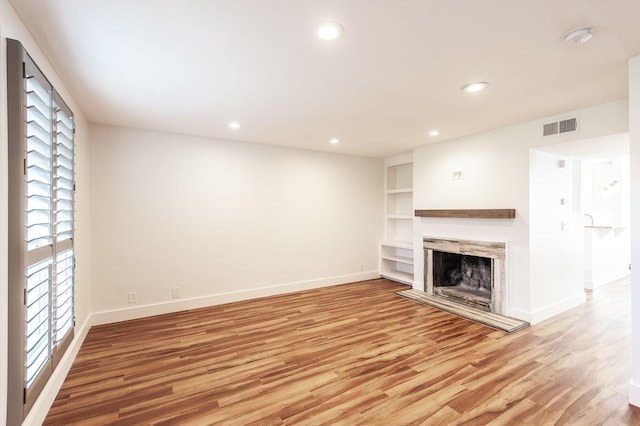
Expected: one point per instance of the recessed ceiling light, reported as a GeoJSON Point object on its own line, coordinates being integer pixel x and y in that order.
{"type": "Point", "coordinates": [578, 35]}
{"type": "Point", "coordinates": [334, 141]}
{"type": "Point", "coordinates": [434, 133]}
{"type": "Point", "coordinates": [330, 30]}
{"type": "Point", "coordinates": [475, 87]}
{"type": "Point", "coordinates": [234, 125]}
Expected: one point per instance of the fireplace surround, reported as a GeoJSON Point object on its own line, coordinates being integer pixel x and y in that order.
{"type": "Point", "coordinates": [467, 272]}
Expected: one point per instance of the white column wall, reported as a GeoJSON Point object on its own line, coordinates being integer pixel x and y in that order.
{"type": "Point", "coordinates": [634, 130]}
{"type": "Point", "coordinates": [555, 234]}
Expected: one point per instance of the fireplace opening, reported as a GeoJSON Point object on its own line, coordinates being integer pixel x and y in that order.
{"type": "Point", "coordinates": [466, 272]}
{"type": "Point", "coordinates": [466, 278]}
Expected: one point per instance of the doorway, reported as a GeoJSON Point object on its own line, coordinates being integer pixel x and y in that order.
{"type": "Point", "coordinates": [601, 182]}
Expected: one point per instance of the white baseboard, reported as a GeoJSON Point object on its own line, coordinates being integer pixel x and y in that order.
{"type": "Point", "coordinates": [634, 393]}
{"type": "Point", "coordinates": [548, 311]}
{"type": "Point", "coordinates": [557, 308]}
{"type": "Point", "coordinates": [610, 277]}
{"type": "Point", "coordinates": [520, 314]}
{"type": "Point", "coordinates": [43, 403]}
{"type": "Point", "coordinates": [588, 284]}
{"type": "Point", "coordinates": [106, 317]}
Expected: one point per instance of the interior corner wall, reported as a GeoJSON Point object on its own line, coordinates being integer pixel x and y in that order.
{"type": "Point", "coordinates": [634, 155]}
{"type": "Point", "coordinates": [12, 27]}
{"type": "Point", "coordinates": [495, 171]}
{"type": "Point", "coordinates": [223, 221]}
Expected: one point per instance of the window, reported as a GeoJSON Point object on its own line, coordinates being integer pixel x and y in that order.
{"type": "Point", "coordinates": [41, 229]}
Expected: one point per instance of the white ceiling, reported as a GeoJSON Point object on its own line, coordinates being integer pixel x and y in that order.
{"type": "Point", "coordinates": [191, 66]}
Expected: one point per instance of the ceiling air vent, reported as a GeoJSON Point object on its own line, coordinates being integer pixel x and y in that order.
{"type": "Point", "coordinates": [560, 127]}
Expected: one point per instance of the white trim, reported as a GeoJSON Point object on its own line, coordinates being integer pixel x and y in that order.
{"type": "Point", "coordinates": [608, 278]}
{"type": "Point", "coordinates": [106, 317]}
{"type": "Point", "coordinates": [549, 311]}
{"type": "Point", "coordinates": [41, 407]}
{"type": "Point", "coordinates": [399, 160]}
{"type": "Point", "coordinates": [520, 314]}
{"type": "Point", "coordinates": [634, 393]}
{"type": "Point", "coordinates": [556, 308]}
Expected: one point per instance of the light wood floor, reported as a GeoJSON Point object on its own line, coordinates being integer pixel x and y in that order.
{"type": "Point", "coordinates": [353, 354]}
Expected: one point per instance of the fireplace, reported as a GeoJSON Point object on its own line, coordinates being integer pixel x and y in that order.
{"type": "Point", "coordinates": [467, 272]}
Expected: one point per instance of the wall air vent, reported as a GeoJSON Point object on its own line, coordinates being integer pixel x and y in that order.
{"type": "Point", "coordinates": [570, 125]}
{"type": "Point", "coordinates": [550, 129]}
{"type": "Point", "coordinates": [560, 127]}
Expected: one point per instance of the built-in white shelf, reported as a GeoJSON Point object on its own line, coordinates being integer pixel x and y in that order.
{"type": "Point", "coordinates": [400, 191]}
{"type": "Point", "coordinates": [396, 252]}
{"type": "Point", "coordinates": [400, 216]}
{"type": "Point", "coordinates": [401, 259]}
{"type": "Point", "coordinates": [401, 277]}
{"type": "Point", "coordinates": [398, 244]}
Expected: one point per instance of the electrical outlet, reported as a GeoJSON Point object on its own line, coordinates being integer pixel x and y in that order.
{"type": "Point", "coordinates": [361, 267]}
{"type": "Point", "coordinates": [131, 297]}
{"type": "Point", "coordinates": [175, 292]}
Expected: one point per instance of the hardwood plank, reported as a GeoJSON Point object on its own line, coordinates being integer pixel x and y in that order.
{"type": "Point", "coordinates": [353, 354]}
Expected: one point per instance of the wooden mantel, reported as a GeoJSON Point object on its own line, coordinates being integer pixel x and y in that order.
{"type": "Point", "coordinates": [469, 213]}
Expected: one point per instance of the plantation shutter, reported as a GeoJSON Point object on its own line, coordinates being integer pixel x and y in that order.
{"type": "Point", "coordinates": [63, 227]}
{"type": "Point", "coordinates": [39, 229]}
{"type": "Point", "coordinates": [41, 223]}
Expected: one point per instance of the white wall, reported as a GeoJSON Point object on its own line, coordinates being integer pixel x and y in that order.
{"type": "Point", "coordinates": [555, 234]}
{"type": "Point", "coordinates": [495, 167]}
{"type": "Point", "coordinates": [634, 150]}
{"type": "Point", "coordinates": [224, 220]}
{"type": "Point", "coordinates": [12, 27]}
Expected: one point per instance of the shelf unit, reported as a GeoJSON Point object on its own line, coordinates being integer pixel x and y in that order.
{"type": "Point", "coordinates": [396, 251]}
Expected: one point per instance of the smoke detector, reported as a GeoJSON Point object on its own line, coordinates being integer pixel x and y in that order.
{"type": "Point", "coordinates": [578, 35]}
